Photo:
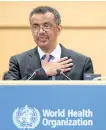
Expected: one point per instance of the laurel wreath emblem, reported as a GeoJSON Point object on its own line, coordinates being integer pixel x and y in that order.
{"type": "Point", "coordinates": [26, 117]}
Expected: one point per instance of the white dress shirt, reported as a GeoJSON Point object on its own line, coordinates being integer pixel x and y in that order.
{"type": "Point", "coordinates": [56, 53]}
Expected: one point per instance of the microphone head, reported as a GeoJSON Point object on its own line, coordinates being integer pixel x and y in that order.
{"type": "Point", "coordinates": [35, 73]}
{"type": "Point", "coordinates": [58, 71]}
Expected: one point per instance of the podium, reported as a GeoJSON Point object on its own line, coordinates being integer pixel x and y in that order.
{"type": "Point", "coordinates": [52, 105]}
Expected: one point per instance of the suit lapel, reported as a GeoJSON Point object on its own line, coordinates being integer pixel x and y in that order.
{"type": "Point", "coordinates": [64, 53]}
{"type": "Point", "coordinates": [34, 60]}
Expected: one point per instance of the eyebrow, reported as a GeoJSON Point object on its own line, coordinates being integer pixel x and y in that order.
{"type": "Point", "coordinates": [35, 24]}
{"type": "Point", "coordinates": [43, 23]}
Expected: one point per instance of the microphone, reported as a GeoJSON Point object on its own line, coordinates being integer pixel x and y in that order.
{"type": "Point", "coordinates": [60, 72]}
{"type": "Point", "coordinates": [34, 74]}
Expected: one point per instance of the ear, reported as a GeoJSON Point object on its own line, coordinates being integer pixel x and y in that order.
{"type": "Point", "coordinates": [59, 28]}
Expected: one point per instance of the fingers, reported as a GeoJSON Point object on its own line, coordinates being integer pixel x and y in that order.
{"type": "Point", "coordinates": [62, 59]}
{"type": "Point", "coordinates": [66, 61]}
{"type": "Point", "coordinates": [65, 70]}
{"type": "Point", "coordinates": [66, 65]}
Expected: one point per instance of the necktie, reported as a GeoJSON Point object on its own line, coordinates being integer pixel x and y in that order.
{"type": "Point", "coordinates": [49, 59]}
{"type": "Point", "coordinates": [44, 56]}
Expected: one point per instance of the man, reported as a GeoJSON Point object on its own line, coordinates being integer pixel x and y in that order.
{"type": "Point", "coordinates": [49, 60]}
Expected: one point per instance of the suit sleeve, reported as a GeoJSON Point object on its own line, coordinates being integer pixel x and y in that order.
{"type": "Point", "coordinates": [14, 72]}
{"type": "Point", "coordinates": [88, 67]}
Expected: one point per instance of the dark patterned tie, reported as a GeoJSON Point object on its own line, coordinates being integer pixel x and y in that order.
{"type": "Point", "coordinates": [50, 57]}
{"type": "Point", "coordinates": [44, 56]}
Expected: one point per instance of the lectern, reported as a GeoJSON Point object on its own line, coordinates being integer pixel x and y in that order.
{"type": "Point", "coordinates": [52, 105]}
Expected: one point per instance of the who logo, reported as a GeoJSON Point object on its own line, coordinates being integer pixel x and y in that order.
{"type": "Point", "coordinates": [26, 117]}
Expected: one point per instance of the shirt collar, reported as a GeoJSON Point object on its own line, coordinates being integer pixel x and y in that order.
{"type": "Point", "coordinates": [56, 53]}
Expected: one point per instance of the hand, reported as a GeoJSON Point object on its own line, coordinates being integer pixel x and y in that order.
{"type": "Point", "coordinates": [64, 64]}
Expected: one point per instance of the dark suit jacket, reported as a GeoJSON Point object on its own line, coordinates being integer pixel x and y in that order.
{"type": "Point", "coordinates": [22, 66]}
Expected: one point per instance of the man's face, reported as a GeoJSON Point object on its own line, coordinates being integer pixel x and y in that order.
{"type": "Point", "coordinates": [45, 30]}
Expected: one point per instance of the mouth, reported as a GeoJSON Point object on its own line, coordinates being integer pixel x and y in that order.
{"type": "Point", "coordinates": [42, 39]}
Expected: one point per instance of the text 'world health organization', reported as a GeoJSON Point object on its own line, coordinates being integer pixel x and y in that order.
{"type": "Point", "coordinates": [68, 117]}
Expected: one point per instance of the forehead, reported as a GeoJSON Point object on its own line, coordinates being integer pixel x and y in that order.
{"type": "Point", "coordinates": [42, 18]}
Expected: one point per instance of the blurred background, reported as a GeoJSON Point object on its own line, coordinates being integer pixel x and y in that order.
{"type": "Point", "coordinates": [84, 30]}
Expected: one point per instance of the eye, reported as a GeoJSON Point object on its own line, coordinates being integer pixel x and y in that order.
{"type": "Point", "coordinates": [35, 26]}
{"type": "Point", "coordinates": [48, 25]}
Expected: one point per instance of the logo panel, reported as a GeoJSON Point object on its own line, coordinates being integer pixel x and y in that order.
{"type": "Point", "coordinates": [26, 117]}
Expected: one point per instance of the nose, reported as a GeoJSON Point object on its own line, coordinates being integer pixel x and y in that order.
{"type": "Point", "coordinates": [41, 30]}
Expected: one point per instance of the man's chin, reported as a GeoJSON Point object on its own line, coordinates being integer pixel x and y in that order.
{"type": "Point", "coordinates": [43, 44]}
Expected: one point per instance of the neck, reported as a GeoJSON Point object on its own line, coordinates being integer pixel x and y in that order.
{"type": "Point", "coordinates": [49, 50]}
